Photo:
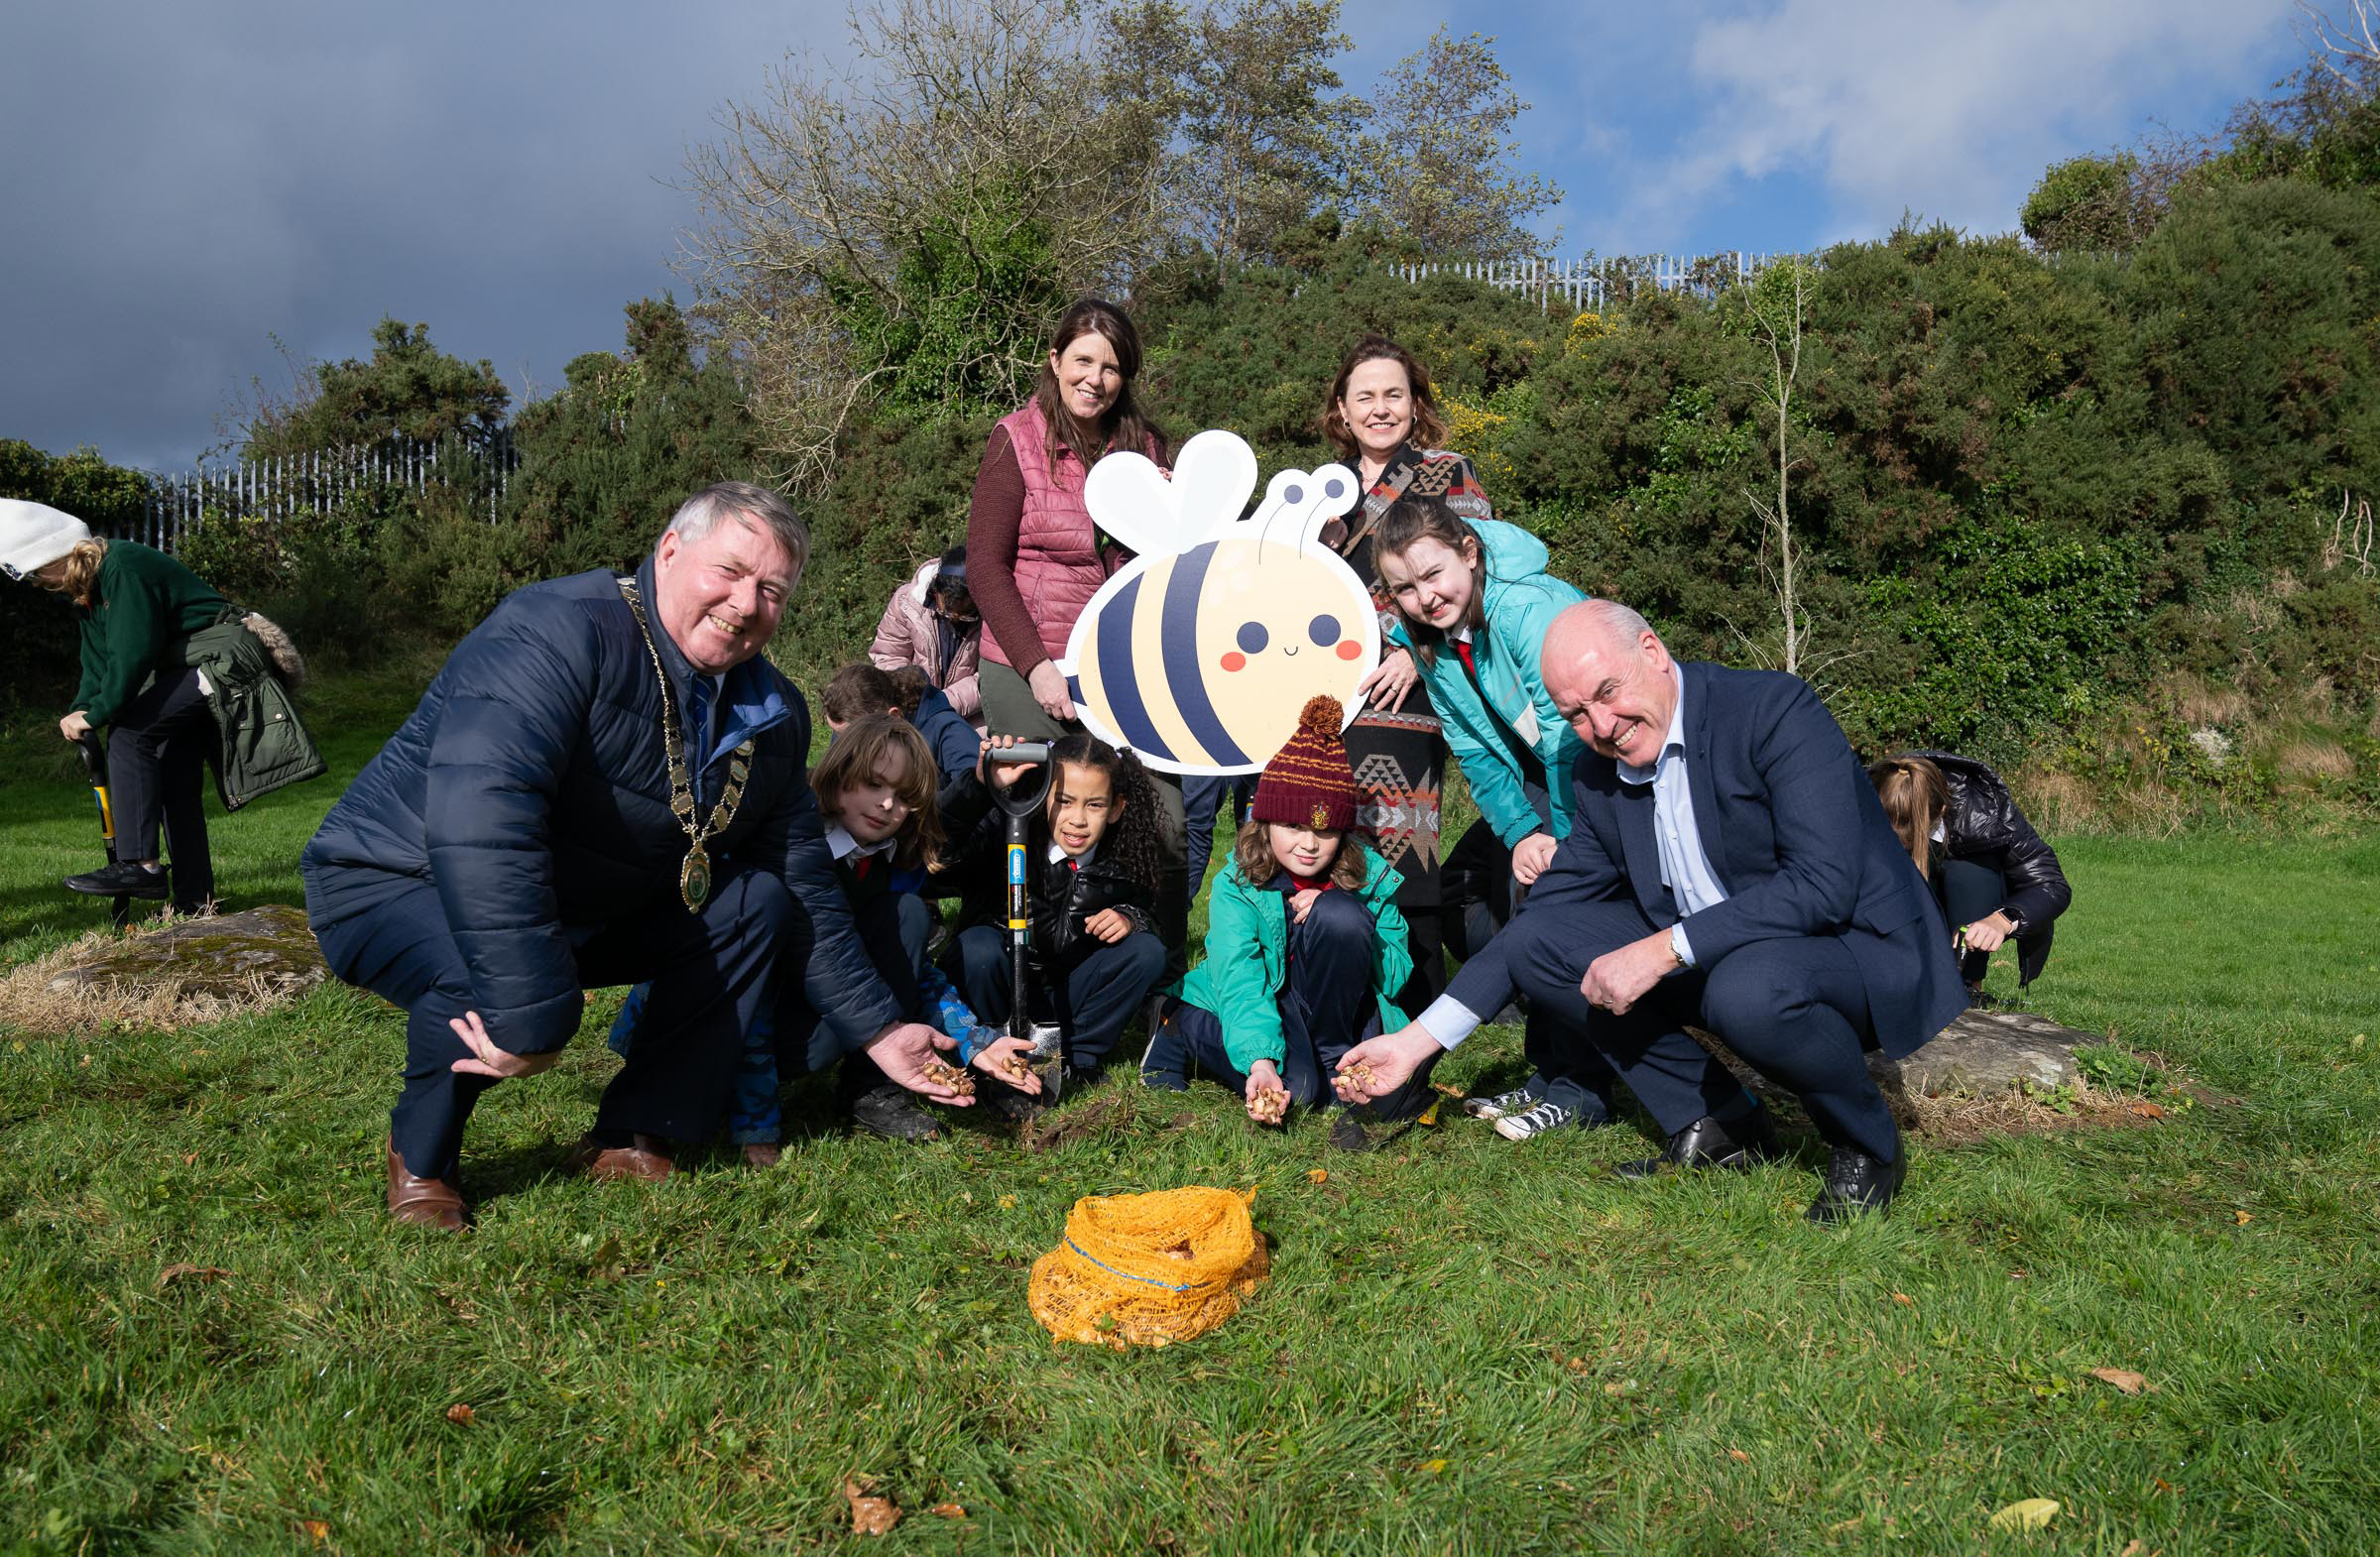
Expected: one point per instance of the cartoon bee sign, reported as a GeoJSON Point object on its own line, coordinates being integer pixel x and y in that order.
{"type": "Point", "coordinates": [1199, 653]}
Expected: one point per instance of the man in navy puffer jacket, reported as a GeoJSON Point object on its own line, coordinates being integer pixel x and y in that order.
{"type": "Point", "coordinates": [513, 844]}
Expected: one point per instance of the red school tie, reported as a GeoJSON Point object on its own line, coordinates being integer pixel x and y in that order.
{"type": "Point", "coordinates": [859, 867]}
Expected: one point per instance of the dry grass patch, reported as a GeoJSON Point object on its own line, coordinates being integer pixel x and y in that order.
{"type": "Point", "coordinates": [37, 1000]}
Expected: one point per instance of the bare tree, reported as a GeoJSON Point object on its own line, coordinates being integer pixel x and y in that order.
{"type": "Point", "coordinates": [1436, 165]}
{"type": "Point", "coordinates": [2348, 50]}
{"type": "Point", "coordinates": [1778, 322]}
{"type": "Point", "coordinates": [978, 127]}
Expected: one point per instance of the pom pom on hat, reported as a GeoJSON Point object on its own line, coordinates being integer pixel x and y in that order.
{"type": "Point", "coordinates": [34, 535]}
{"type": "Point", "coordinates": [1308, 782]}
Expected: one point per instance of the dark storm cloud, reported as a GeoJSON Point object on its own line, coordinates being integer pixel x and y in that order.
{"type": "Point", "coordinates": [182, 184]}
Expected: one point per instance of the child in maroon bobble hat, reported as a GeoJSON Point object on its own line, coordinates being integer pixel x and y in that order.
{"type": "Point", "coordinates": [1305, 944]}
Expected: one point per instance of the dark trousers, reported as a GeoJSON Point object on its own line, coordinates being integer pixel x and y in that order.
{"type": "Point", "coordinates": [1969, 892]}
{"type": "Point", "coordinates": [1200, 799]}
{"type": "Point", "coordinates": [1091, 997]}
{"type": "Point", "coordinates": [157, 753]}
{"type": "Point", "coordinates": [893, 928]}
{"type": "Point", "coordinates": [1327, 1006]}
{"type": "Point", "coordinates": [1795, 1010]}
{"type": "Point", "coordinates": [1480, 898]}
{"type": "Point", "coordinates": [712, 975]}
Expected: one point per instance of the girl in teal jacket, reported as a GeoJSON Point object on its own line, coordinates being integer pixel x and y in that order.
{"type": "Point", "coordinates": [1305, 945]}
{"type": "Point", "coordinates": [1473, 601]}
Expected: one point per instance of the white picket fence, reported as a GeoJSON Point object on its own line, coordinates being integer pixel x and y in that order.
{"type": "Point", "coordinates": [1594, 284]}
{"type": "Point", "coordinates": [321, 481]}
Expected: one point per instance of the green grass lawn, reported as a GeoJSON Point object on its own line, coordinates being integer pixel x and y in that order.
{"type": "Point", "coordinates": [1465, 1346]}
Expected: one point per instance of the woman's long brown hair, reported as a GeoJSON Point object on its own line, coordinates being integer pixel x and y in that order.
{"type": "Point", "coordinates": [857, 754]}
{"type": "Point", "coordinates": [1429, 423]}
{"type": "Point", "coordinates": [1913, 792]}
{"type": "Point", "coordinates": [1123, 425]}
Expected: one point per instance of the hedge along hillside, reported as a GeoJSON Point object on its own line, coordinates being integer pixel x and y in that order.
{"type": "Point", "coordinates": [2026, 491]}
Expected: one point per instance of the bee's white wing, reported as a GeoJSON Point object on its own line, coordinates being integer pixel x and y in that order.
{"type": "Point", "coordinates": [1130, 498]}
{"type": "Point", "coordinates": [1212, 478]}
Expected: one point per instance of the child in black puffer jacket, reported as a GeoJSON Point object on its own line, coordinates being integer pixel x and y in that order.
{"type": "Point", "coordinates": [1091, 872]}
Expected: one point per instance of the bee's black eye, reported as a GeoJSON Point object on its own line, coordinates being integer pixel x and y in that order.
{"type": "Point", "coordinates": [1253, 638]}
{"type": "Point", "coordinates": [1324, 630]}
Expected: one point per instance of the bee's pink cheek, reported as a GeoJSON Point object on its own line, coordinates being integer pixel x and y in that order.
{"type": "Point", "coordinates": [1349, 649]}
{"type": "Point", "coordinates": [1235, 661]}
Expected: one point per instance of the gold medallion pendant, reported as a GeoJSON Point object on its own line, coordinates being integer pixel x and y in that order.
{"type": "Point", "coordinates": [694, 878]}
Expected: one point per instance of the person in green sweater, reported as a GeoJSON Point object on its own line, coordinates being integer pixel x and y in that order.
{"type": "Point", "coordinates": [1305, 947]}
{"type": "Point", "coordinates": [167, 668]}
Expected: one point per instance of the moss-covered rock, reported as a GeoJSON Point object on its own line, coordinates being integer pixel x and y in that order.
{"type": "Point", "coordinates": [267, 951]}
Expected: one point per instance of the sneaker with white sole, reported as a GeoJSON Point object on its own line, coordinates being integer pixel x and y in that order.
{"type": "Point", "coordinates": [1536, 1120]}
{"type": "Point", "coordinates": [1501, 1103]}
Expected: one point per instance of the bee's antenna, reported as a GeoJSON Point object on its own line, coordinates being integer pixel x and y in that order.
{"type": "Point", "coordinates": [1307, 500]}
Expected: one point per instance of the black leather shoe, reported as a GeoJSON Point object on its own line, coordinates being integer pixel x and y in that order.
{"type": "Point", "coordinates": [1858, 1183]}
{"type": "Point", "coordinates": [1709, 1144]}
{"type": "Point", "coordinates": [890, 1112]}
{"type": "Point", "coordinates": [122, 880]}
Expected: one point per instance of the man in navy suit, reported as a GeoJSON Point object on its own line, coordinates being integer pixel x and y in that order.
{"type": "Point", "coordinates": [1728, 867]}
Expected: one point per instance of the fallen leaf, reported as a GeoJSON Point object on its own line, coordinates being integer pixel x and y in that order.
{"type": "Point", "coordinates": [317, 1528]}
{"type": "Point", "coordinates": [1904, 1300]}
{"type": "Point", "coordinates": [1317, 1175]}
{"type": "Point", "coordinates": [2131, 1548]}
{"type": "Point", "coordinates": [1428, 1118]}
{"type": "Point", "coordinates": [2148, 1110]}
{"type": "Point", "coordinates": [870, 1513]}
{"type": "Point", "coordinates": [947, 1510]}
{"type": "Point", "coordinates": [460, 1414]}
{"type": "Point", "coordinates": [2029, 1513]}
{"type": "Point", "coordinates": [1448, 1088]}
{"type": "Point", "coordinates": [2123, 1379]}
{"type": "Point", "coordinates": [188, 1157]}
{"type": "Point", "coordinates": [1739, 1456]}
{"type": "Point", "coordinates": [1433, 1466]}
{"type": "Point", "coordinates": [2243, 1218]}
{"type": "Point", "coordinates": [173, 1273]}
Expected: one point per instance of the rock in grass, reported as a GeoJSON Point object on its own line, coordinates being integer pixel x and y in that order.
{"type": "Point", "coordinates": [1983, 1053]}
{"type": "Point", "coordinates": [267, 951]}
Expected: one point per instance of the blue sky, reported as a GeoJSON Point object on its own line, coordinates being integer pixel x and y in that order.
{"type": "Point", "coordinates": [187, 184]}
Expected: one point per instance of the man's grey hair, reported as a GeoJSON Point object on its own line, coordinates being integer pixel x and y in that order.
{"type": "Point", "coordinates": [695, 516]}
{"type": "Point", "coordinates": [1624, 624]}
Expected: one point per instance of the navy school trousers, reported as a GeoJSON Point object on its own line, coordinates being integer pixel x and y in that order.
{"type": "Point", "coordinates": [1795, 1010]}
{"type": "Point", "coordinates": [712, 973]}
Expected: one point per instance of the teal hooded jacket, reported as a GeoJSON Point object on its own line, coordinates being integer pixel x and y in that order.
{"type": "Point", "coordinates": [1521, 600]}
{"type": "Point", "coordinates": [1247, 959]}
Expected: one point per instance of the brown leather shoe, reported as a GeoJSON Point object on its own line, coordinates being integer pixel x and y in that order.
{"type": "Point", "coordinates": [424, 1202]}
{"type": "Point", "coordinates": [646, 1160]}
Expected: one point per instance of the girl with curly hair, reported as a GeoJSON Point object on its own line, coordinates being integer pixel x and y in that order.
{"type": "Point", "coordinates": [1092, 867]}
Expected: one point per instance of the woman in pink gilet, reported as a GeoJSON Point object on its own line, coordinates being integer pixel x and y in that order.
{"type": "Point", "coordinates": [1033, 557]}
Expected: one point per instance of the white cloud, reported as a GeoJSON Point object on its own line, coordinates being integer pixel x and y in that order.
{"type": "Point", "coordinates": [1949, 108]}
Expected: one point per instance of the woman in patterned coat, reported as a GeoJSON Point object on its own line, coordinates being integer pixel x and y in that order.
{"type": "Point", "coordinates": [1383, 418]}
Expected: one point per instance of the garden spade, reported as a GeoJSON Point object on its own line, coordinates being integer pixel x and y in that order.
{"type": "Point", "coordinates": [1019, 802]}
{"type": "Point", "coordinates": [94, 767]}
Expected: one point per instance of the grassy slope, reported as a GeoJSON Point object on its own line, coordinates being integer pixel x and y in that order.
{"type": "Point", "coordinates": [1463, 1346]}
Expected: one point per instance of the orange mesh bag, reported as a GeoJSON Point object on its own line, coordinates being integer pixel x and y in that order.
{"type": "Point", "coordinates": [1148, 1269]}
